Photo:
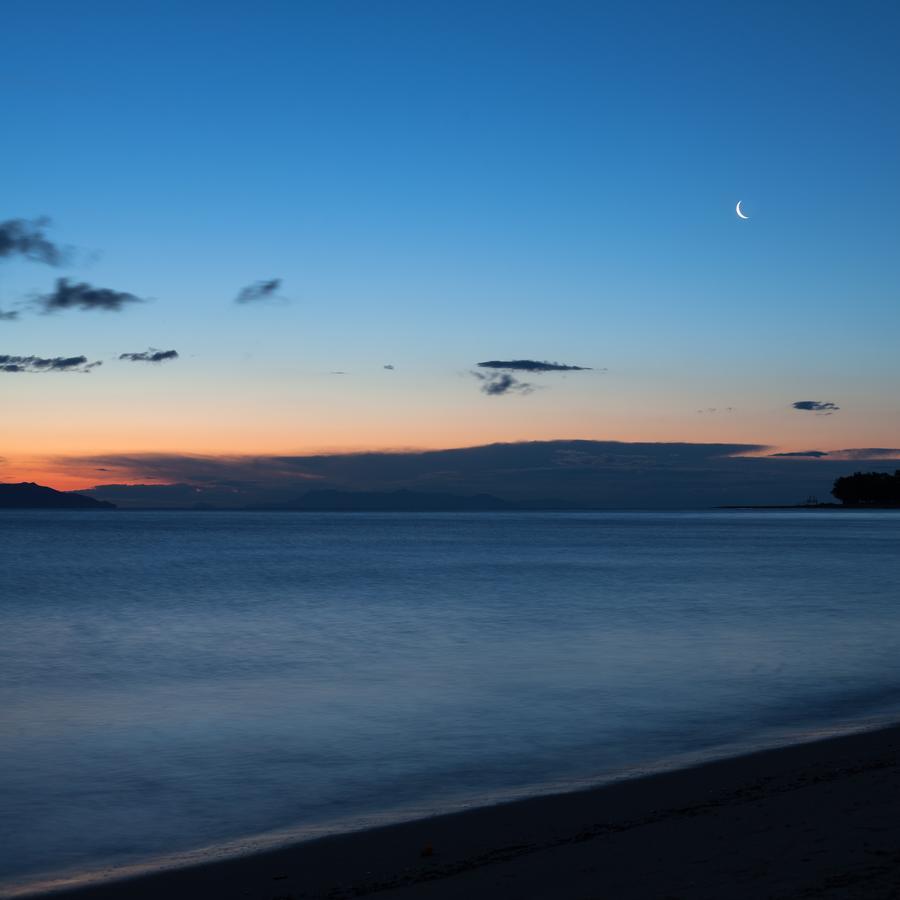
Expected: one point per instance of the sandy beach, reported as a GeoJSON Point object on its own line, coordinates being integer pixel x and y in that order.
{"type": "Point", "coordinates": [812, 820]}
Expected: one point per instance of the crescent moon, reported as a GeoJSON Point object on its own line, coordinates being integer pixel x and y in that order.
{"type": "Point", "coordinates": [737, 209]}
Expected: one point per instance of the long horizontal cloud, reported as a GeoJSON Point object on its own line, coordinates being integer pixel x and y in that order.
{"type": "Point", "coordinates": [46, 364]}
{"type": "Point", "coordinates": [80, 295]}
{"type": "Point", "coordinates": [530, 365]}
{"type": "Point", "coordinates": [21, 237]}
{"type": "Point", "coordinates": [8, 316]}
{"type": "Point", "coordinates": [382, 470]}
{"type": "Point", "coordinates": [816, 406]}
{"type": "Point", "coordinates": [607, 474]}
{"type": "Point", "coordinates": [151, 356]}
{"type": "Point", "coordinates": [804, 454]}
{"type": "Point", "coordinates": [259, 290]}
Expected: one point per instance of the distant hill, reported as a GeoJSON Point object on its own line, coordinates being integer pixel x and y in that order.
{"type": "Point", "coordinates": [394, 501]}
{"type": "Point", "coordinates": [28, 495]}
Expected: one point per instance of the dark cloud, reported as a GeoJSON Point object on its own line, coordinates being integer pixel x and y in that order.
{"type": "Point", "coordinates": [259, 290]}
{"type": "Point", "coordinates": [68, 295]}
{"type": "Point", "coordinates": [566, 469]}
{"type": "Point", "coordinates": [499, 383]}
{"type": "Point", "coordinates": [46, 364]}
{"type": "Point", "coordinates": [818, 406]}
{"type": "Point", "coordinates": [598, 474]}
{"type": "Point", "coordinates": [815, 454]}
{"type": "Point", "coordinates": [9, 316]}
{"type": "Point", "coordinates": [20, 237]}
{"type": "Point", "coordinates": [151, 356]}
{"type": "Point", "coordinates": [389, 367]}
{"type": "Point", "coordinates": [530, 365]}
{"type": "Point", "coordinates": [713, 410]}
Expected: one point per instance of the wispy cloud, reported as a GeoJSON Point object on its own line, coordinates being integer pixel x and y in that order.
{"type": "Point", "coordinates": [389, 367]}
{"type": "Point", "coordinates": [46, 364]}
{"type": "Point", "coordinates": [499, 383]}
{"type": "Point", "coordinates": [822, 407]}
{"type": "Point", "coordinates": [872, 454]}
{"type": "Point", "coordinates": [866, 453]}
{"type": "Point", "coordinates": [80, 295]}
{"type": "Point", "coordinates": [21, 237]}
{"type": "Point", "coordinates": [259, 290]}
{"type": "Point", "coordinates": [8, 316]}
{"type": "Point", "coordinates": [152, 356]}
{"type": "Point", "coordinates": [530, 365]}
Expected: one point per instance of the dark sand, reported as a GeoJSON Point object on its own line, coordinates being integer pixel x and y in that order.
{"type": "Point", "coordinates": [815, 820]}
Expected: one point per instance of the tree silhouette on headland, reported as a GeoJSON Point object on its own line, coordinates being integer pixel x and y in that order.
{"type": "Point", "coordinates": [868, 489]}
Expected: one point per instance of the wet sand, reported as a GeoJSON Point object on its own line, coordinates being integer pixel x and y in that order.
{"type": "Point", "coordinates": [815, 820]}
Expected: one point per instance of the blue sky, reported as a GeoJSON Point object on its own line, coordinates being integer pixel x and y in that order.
{"type": "Point", "coordinates": [440, 183]}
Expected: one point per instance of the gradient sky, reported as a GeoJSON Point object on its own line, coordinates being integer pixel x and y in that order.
{"type": "Point", "coordinates": [443, 183]}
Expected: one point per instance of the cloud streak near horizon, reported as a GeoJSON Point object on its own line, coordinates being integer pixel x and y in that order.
{"type": "Point", "coordinates": [393, 467]}
{"type": "Point", "coordinates": [803, 454]}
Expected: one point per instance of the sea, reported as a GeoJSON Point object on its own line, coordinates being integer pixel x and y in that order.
{"type": "Point", "coordinates": [181, 686]}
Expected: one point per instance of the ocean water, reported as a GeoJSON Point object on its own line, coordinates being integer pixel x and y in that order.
{"type": "Point", "coordinates": [178, 683]}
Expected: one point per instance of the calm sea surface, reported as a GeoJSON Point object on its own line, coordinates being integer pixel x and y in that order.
{"type": "Point", "coordinates": [172, 682]}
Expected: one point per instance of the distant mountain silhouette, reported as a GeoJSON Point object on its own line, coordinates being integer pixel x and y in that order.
{"type": "Point", "coordinates": [28, 495]}
{"type": "Point", "coordinates": [394, 501]}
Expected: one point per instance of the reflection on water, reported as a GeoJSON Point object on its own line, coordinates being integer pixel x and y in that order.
{"type": "Point", "coordinates": [172, 681]}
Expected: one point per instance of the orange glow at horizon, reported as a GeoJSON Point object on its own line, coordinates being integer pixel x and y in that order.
{"type": "Point", "coordinates": [62, 438]}
{"type": "Point", "coordinates": [66, 443]}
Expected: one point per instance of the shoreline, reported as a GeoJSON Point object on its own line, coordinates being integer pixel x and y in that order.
{"type": "Point", "coordinates": [808, 819]}
{"type": "Point", "coordinates": [845, 507]}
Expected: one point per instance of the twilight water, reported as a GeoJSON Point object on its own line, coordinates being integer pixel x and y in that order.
{"type": "Point", "coordinates": [172, 682]}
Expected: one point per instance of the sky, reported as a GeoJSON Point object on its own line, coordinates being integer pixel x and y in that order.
{"type": "Point", "coordinates": [436, 185]}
